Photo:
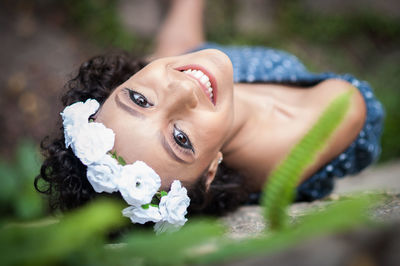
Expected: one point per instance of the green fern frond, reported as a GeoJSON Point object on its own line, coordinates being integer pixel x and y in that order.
{"type": "Point", "coordinates": [279, 191]}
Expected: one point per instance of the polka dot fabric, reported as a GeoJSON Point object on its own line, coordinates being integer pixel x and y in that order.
{"type": "Point", "coordinates": [260, 64]}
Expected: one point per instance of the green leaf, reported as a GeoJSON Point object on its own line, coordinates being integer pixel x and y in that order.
{"type": "Point", "coordinates": [163, 193]}
{"type": "Point", "coordinates": [279, 190]}
{"type": "Point", "coordinates": [121, 160]}
{"type": "Point", "coordinates": [28, 162]}
{"type": "Point", "coordinates": [47, 244]}
{"type": "Point", "coordinates": [172, 248]}
{"type": "Point", "coordinates": [114, 155]}
{"type": "Point", "coordinates": [146, 206]}
{"type": "Point", "coordinates": [29, 203]}
{"type": "Point", "coordinates": [8, 183]}
{"type": "Point", "coordinates": [18, 196]}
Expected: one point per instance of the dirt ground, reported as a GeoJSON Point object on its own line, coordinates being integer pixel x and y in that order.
{"type": "Point", "coordinates": [36, 59]}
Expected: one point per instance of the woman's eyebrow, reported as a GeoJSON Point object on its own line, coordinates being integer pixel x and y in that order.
{"type": "Point", "coordinates": [169, 150]}
{"type": "Point", "coordinates": [128, 109]}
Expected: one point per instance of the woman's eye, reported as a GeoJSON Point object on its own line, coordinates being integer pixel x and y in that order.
{"type": "Point", "coordinates": [182, 140]}
{"type": "Point", "coordinates": [139, 99]}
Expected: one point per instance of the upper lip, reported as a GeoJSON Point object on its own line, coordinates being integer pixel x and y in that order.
{"type": "Point", "coordinates": [203, 87]}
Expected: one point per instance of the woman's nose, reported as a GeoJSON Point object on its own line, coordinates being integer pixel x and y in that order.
{"type": "Point", "coordinates": [183, 94]}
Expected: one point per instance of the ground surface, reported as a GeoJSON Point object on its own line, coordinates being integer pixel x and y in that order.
{"type": "Point", "coordinates": [360, 246]}
{"type": "Point", "coordinates": [384, 178]}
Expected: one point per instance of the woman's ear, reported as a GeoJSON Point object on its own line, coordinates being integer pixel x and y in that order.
{"type": "Point", "coordinates": [212, 170]}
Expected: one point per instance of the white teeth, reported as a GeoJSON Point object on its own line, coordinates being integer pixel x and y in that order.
{"type": "Point", "coordinates": [198, 74]}
{"type": "Point", "coordinates": [203, 78]}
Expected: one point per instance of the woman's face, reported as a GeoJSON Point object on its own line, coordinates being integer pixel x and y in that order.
{"type": "Point", "coordinates": [167, 118]}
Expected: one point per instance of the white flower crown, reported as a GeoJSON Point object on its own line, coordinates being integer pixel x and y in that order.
{"type": "Point", "coordinates": [138, 183]}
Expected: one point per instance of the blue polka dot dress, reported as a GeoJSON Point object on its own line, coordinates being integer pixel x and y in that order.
{"type": "Point", "coordinates": [260, 64]}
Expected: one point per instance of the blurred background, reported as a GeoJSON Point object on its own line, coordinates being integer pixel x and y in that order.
{"type": "Point", "coordinates": [43, 43]}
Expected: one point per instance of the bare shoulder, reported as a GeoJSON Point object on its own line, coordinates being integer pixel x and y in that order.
{"type": "Point", "coordinates": [357, 112]}
{"type": "Point", "coordinates": [350, 127]}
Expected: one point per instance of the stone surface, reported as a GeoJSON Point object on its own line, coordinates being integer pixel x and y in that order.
{"type": "Point", "coordinates": [246, 221]}
{"type": "Point", "coordinates": [385, 179]}
{"type": "Point", "coordinates": [360, 246]}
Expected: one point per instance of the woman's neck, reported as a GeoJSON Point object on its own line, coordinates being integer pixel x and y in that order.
{"type": "Point", "coordinates": [255, 104]}
{"type": "Point", "coordinates": [243, 112]}
{"type": "Point", "coordinates": [266, 123]}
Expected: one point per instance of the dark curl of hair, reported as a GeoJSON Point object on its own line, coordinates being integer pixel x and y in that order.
{"type": "Point", "coordinates": [63, 177]}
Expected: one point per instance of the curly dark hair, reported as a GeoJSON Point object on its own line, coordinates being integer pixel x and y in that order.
{"type": "Point", "coordinates": [63, 176]}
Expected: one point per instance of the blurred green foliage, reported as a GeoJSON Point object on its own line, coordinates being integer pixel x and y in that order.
{"type": "Point", "coordinates": [98, 20]}
{"type": "Point", "coordinates": [385, 78]}
{"type": "Point", "coordinates": [18, 198]}
{"type": "Point", "coordinates": [46, 242]}
{"type": "Point", "coordinates": [296, 19]}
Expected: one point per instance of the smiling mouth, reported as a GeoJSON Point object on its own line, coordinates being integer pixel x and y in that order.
{"type": "Point", "coordinates": [206, 80]}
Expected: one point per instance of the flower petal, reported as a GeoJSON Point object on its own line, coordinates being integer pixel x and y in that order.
{"type": "Point", "coordinates": [104, 174]}
{"type": "Point", "coordinates": [138, 183]}
{"type": "Point", "coordinates": [139, 215]}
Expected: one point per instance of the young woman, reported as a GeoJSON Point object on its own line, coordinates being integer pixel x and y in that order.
{"type": "Point", "coordinates": [218, 119]}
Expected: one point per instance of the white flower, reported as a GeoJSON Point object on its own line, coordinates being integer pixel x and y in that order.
{"type": "Point", "coordinates": [173, 206]}
{"type": "Point", "coordinates": [70, 132]}
{"type": "Point", "coordinates": [164, 226]}
{"type": "Point", "coordinates": [138, 183]}
{"type": "Point", "coordinates": [76, 115]}
{"type": "Point", "coordinates": [103, 174]}
{"type": "Point", "coordinates": [79, 112]}
{"type": "Point", "coordinates": [139, 215]}
{"type": "Point", "coordinates": [92, 141]}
